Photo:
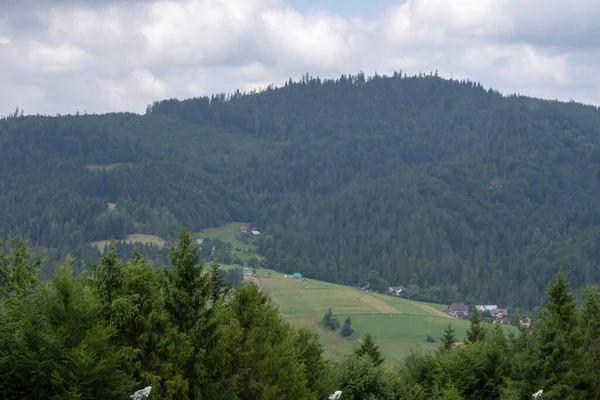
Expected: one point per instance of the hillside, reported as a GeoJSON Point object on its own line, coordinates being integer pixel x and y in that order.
{"type": "Point", "coordinates": [398, 325]}
{"type": "Point", "coordinates": [457, 192]}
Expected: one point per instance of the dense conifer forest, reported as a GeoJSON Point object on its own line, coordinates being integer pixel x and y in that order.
{"type": "Point", "coordinates": [456, 192]}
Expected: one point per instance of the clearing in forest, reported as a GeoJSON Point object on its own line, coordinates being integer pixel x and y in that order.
{"type": "Point", "coordinates": [243, 245]}
{"type": "Point", "coordinates": [133, 238]}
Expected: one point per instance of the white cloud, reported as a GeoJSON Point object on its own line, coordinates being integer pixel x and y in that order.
{"type": "Point", "coordinates": [59, 58]}
{"type": "Point", "coordinates": [68, 56]}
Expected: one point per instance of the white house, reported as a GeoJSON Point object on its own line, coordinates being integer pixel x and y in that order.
{"type": "Point", "coordinates": [489, 308]}
{"type": "Point", "coordinates": [396, 290]}
{"type": "Point", "coordinates": [255, 232]}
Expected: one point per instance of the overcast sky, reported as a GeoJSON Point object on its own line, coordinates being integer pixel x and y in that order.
{"type": "Point", "coordinates": [63, 56]}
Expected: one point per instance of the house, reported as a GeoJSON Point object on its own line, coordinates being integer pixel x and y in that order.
{"type": "Point", "coordinates": [458, 310]}
{"type": "Point", "coordinates": [396, 290]}
{"type": "Point", "coordinates": [489, 308]}
{"type": "Point", "coordinates": [255, 232]}
{"type": "Point", "coordinates": [248, 229]}
{"type": "Point", "coordinates": [500, 313]}
{"type": "Point", "coordinates": [296, 275]}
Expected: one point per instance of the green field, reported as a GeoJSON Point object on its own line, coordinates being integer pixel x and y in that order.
{"type": "Point", "coordinates": [229, 233]}
{"type": "Point", "coordinates": [397, 324]}
{"type": "Point", "coordinates": [133, 238]}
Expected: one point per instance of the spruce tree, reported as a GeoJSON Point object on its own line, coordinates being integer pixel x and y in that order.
{"type": "Point", "coordinates": [347, 328]}
{"type": "Point", "coordinates": [370, 349]}
{"type": "Point", "coordinates": [476, 331]}
{"type": "Point", "coordinates": [448, 339]}
{"type": "Point", "coordinates": [217, 285]}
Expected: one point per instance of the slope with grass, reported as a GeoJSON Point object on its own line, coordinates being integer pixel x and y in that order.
{"type": "Point", "coordinates": [243, 246]}
{"type": "Point", "coordinates": [132, 239]}
{"type": "Point", "coordinates": [396, 324]}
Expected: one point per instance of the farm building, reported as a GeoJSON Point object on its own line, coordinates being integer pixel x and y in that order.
{"type": "Point", "coordinates": [489, 308]}
{"type": "Point", "coordinates": [396, 290]}
{"type": "Point", "coordinates": [247, 229]}
{"type": "Point", "coordinates": [458, 310]}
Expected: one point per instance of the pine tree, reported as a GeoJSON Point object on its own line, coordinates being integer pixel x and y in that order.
{"type": "Point", "coordinates": [347, 328]}
{"type": "Point", "coordinates": [369, 349]}
{"type": "Point", "coordinates": [476, 331]}
{"type": "Point", "coordinates": [448, 339]}
{"type": "Point", "coordinates": [217, 285]}
{"type": "Point", "coordinates": [187, 293]}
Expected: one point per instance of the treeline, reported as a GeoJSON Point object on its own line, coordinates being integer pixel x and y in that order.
{"type": "Point", "coordinates": [184, 331]}
{"type": "Point", "coordinates": [455, 192]}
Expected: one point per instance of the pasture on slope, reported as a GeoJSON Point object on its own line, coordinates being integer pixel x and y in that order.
{"type": "Point", "coordinates": [397, 324]}
{"type": "Point", "coordinates": [230, 233]}
{"type": "Point", "coordinates": [131, 239]}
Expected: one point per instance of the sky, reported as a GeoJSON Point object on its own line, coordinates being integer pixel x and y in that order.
{"type": "Point", "coordinates": [97, 56]}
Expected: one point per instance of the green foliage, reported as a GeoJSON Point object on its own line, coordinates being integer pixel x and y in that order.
{"type": "Point", "coordinates": [330, 321]}
{"type": "Point", "coordinates": [127, 325]}
{"type": "Point", "coordinates": [265, 364]}
{"type": "Point", "coordinates": [217, 283]}
{"type": "Point", "coordinates": [448, 339]}
{"type": "Point", "coordinates": [476, 331]}
{"type": "Point", "coordinates": [370, 350]}
{"type": "Point", "coordinates": [234, 276]}
{"type": "Point", "coordinates": [361, 379]}
{"type": "Point", "coordinates": [19, 269]}
{"type": "Point", "coordinates": [56, 345]}
{"type": "Point", "coordinates": [347, 328]}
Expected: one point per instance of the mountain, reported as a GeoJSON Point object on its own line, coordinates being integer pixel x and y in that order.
{"type": "Point", "coordinates": [455, 191]}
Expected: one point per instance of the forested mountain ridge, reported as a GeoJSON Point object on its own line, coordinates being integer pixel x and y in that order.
{"type": "Point", "coordinates": [437, 184]}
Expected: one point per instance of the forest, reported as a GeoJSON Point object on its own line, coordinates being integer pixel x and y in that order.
{"type": "Point", "coordinates": [123, 325]}
{"type": "Point", "coordinates": [456, 192]}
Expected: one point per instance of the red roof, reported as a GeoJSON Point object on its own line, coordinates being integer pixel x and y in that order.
{"type": "Point", "coordinates": [458, 307]}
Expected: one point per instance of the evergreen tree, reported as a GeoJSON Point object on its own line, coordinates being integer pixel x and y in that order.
{"type": "Point", "coordinates": [55, 344]}
{"type": "Point", "coordinates": [369, 349]}
{"type": "Point", "coordinates": [476, 330]}
{"type": "Point", "coordinates": [19, 268]}
{"type": "Point", "coordinates": [107, 279]}
{"type": "Point", "coordinates": [217, 283]}
{"type": "Point", "coordinates": [347, 328]}
{"type": "Point", "coordinates": [448, 339]}
{"type": "Point", "coordinates": [187, 293]}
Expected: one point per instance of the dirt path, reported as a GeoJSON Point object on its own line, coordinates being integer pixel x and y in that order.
{"type": "Point", "coordinates": [433, 310]}
{"type": "Point", "coordinates": [378, 305]}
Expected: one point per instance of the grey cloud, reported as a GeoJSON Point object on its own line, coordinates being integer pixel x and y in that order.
{"type": "Point", "coordinates": [251, 59]}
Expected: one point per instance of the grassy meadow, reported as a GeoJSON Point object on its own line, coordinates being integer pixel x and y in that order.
{"type": "Point", "coordinates": [229, 233]}
{"type": "Point", "coordinates": [397, 324]}
{"type": "Point", "coordinates": [133, 238]}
